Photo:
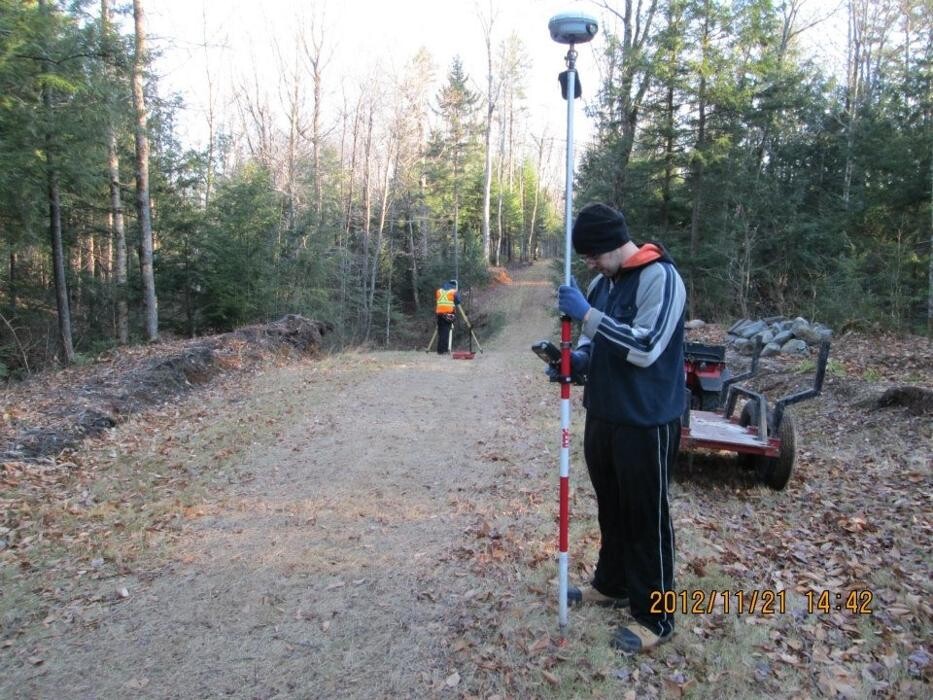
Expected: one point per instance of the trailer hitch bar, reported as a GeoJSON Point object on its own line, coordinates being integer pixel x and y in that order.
{"type": "Point", "coordinates": [772, 425]}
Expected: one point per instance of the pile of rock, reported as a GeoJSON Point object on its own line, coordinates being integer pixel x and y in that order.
{"type": "Point", "coordinates": [777, 334]}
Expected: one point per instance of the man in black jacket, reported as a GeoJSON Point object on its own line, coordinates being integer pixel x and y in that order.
{"type": "Point", "coordinates": [631, 349]}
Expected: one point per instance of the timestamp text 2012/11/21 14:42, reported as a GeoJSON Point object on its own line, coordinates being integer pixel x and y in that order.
{"type": "Point", "coordinates": [762, 602]}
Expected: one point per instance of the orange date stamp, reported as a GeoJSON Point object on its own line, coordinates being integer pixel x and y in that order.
{"type": "Point", "coordinates": [757, 602]}
{"type": "Point", "coordinates": [857, 602]}
{"type": "Point", "coordinates": [727, 602]}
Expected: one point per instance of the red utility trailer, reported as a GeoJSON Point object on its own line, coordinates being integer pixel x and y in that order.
{"type": "Point", "coordinates": [764, 433]}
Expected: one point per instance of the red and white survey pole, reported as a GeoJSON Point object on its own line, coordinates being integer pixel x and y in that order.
{"type": "Point", "coordinates": [571, 29]}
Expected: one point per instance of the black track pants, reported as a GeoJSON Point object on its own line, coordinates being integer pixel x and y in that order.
{"type": "Point", "coordinates": [630, 470]}
{"type": "Point", "coordinates": [444, 326]}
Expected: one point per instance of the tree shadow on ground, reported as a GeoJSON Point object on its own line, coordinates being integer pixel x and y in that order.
{"type": "Point", "coordinates": [707, 468]}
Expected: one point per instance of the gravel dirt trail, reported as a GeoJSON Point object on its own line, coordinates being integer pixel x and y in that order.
{"type": "Point", "coordinates": [326, 568]}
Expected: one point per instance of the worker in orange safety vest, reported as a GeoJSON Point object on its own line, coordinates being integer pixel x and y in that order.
{"type": "Point", "coordinates": [447, 298]}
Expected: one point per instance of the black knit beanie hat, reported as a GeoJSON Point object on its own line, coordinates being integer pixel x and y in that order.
{"type": "Point", "coordinates": [599, 229]}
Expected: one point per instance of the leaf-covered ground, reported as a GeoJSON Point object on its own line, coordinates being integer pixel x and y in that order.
{"type": "Point", "coordinates": [384, 525]}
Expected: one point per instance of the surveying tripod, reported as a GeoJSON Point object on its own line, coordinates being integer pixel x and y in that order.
{"type": "Point", "coordinates": [473, 338]}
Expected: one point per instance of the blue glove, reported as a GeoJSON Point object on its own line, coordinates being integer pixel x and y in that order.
{"type": "Point", "coordinates": [579, 363]}
{"type": "Point", "coordinates": [571, 301]}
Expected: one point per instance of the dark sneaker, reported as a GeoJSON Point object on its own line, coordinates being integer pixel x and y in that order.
{"type": "Point", "coordinates": [587, 595]}
{"type": "Point", "coordinates": [635, 638]}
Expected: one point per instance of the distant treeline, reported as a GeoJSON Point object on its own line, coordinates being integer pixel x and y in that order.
{"type": "Point", "coordinates": [778, 187]}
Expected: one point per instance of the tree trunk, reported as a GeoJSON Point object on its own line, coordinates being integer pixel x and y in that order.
{"type": "Point", "coordinates": [344, 245]}
{"type": "Point", "coordinates": [143, 207]}
{"type": "Point", "coordinates": [12, 292]}
{"type": "Point", "coordinates": [534, 206]}
{"type": "Point", "coordinates": [291, 175]}
{"type": "Point", "coordinates": [117, 226]}
{"type": "Point", "coordinates": [316, 147]}
{"type": "Point", "coordinates": [695, 216]}
{"type": "Point", "coordinates": [89, 278]}
{"type": "Point", "coordinates": [697, 164]}
{"type": "Point", "coordinates": [367, 216]}
{"type": "Point", "coordinates": [55, 221]}
{"type": "Point", "coordinates": [75, 267]}
{"type": "Point", "coordinates": [189, 285]}
{"type": "Point", "coordinates": [500, 203]}
{"type": "Point", "coordinates": [853, 82]}
{"type": "Point", "coordinates": [58, 251]}
{"type": "Point", "coordinates": [456, 211]}
{"type": "Point", "coordinates": [414, 263]}
{"type": "Point", "coordinates": [209, 175]}
{"type": "Point", "coordinates": [314, 52]}
{"type": "Point", "coordinates": [389, 284]}
{"type": "Point", "coordinates": [118, 232]}
{"type": "Point", "coordinates": [383, 213]}
{"type": "Point", "coordinates": [930, 278]}
{"type": "Point", "coordinates": [89, 255]}
{"type": "Point", "coordinates": [348, 208]}
{"type": "Point", "coordinates": [487, 133]}
{"type": "Point", "coordinates": [510, 140]}
{"type": "Point", "coordinates": [668, 159]}
{"type": "Point", "coordinates": [106, 254]}
{"type": "Point", "coordinates": [487, 186]}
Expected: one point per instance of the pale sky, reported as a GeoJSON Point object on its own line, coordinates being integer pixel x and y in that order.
{"type": "Point", "coordinates": [364, 34]}
{"type": "Point", "coordinates": [368, 35]}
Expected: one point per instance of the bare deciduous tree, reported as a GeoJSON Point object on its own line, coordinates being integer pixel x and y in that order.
{"type": "Point", "coordinates": [493, 88]}
{"type": "Point", "coordinates": [313, 44]}
{"type": "Point", "coordinates": [542, 163]}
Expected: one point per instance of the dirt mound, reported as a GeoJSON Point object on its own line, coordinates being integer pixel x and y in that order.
{"type": "Point", "coordinates": [50, 413]}
{"type": "Point", "coordinates": [917, 400]}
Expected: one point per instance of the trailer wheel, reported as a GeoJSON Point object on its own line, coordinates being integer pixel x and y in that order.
{"type": "Point", "coordinates": [776, 471]}
{"type": "Point", "coordinates": [773, 471]}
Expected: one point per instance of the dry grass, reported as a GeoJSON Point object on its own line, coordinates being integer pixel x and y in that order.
{"type": "Point", "coordinates": [312, 530]}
